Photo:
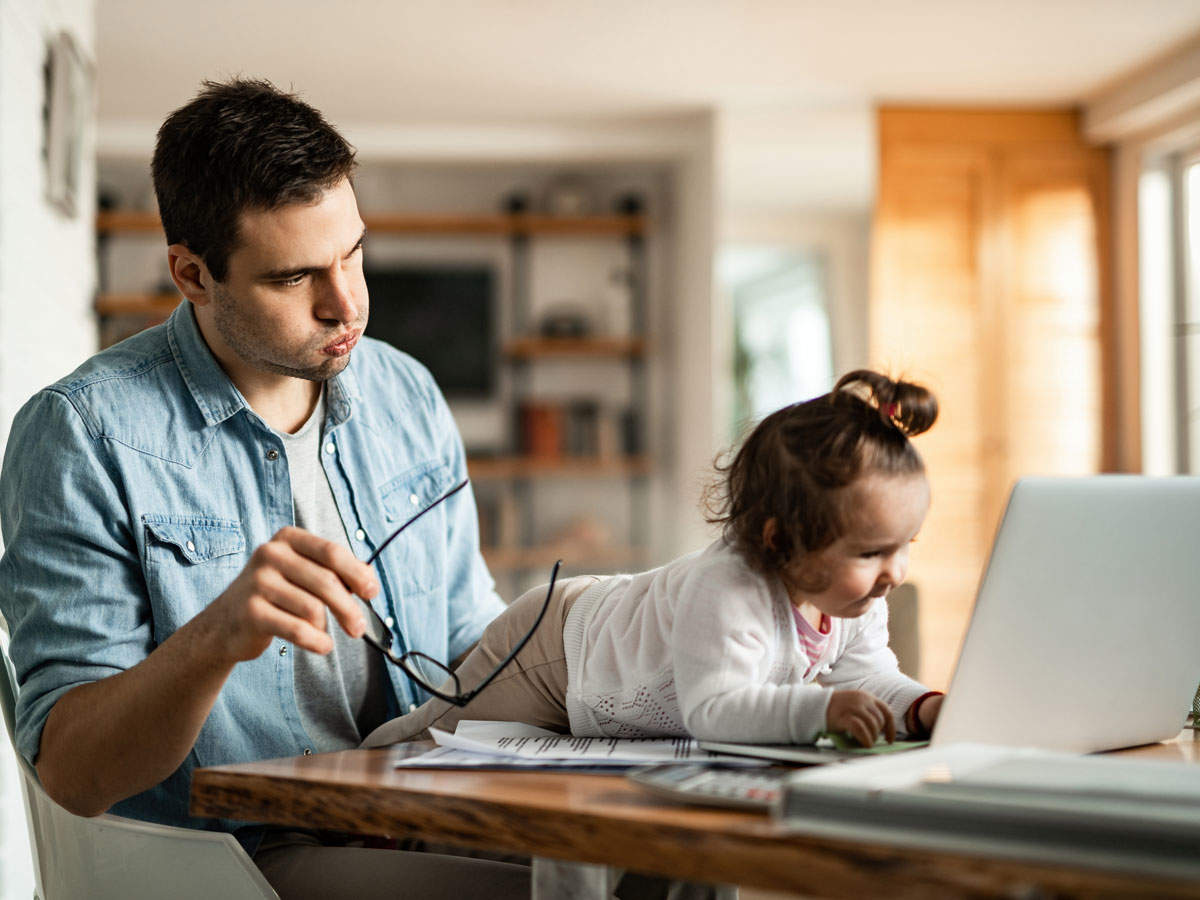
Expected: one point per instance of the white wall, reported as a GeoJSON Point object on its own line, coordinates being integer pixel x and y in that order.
{"type": "Point", "coordinates": [46, 278]}
{"type": "Point", "coordinates": [47, 268]}
{"type": "Point", "coordinates": [693, 352]}
{"type": "Point", "coordinates": [803, 179]}
{"type": "Point", "coordinates": [818, 157]}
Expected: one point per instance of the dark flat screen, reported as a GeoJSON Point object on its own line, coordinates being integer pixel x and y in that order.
{"type": "Point", "coordinates": [442, 315]}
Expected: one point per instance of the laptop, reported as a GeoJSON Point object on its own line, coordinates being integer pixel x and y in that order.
{"type": "Point", "coordinates": [1085, 634]}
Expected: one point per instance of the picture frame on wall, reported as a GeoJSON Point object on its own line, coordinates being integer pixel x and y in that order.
{"type": "Point", "coordinates": [68, 91]}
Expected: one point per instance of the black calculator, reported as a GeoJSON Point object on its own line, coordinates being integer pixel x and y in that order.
{"type": "Point", "coordinates": [754, 789]}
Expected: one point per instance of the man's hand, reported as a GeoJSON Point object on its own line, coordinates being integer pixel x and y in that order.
{"type": "Point", "coordinates": [284, 592]}
{"type": "Point", "coordinates": [134, 728]}
{"type": "Point", "coordinates": [861, 715]}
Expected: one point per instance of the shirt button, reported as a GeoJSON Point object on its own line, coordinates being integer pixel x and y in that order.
{"type": "Point", "coordinates": [191, 546]}
{"type": "Point", "coordinates": [308, 751]}
{"type": "Point", "coordinates": [283, 650]}
{"type": "Point", "coordinates": [412, 707]}
{"type": "Point", "coordinates": [414, 499]}
{"type": "Point", "coordinates": [329, 448]}
{"type": "Point", "coordinates": [360, 534]}
{"type": "Point", "coordinates": [389, 621]}
{"type": "Point", "coordinates": [272, 454]}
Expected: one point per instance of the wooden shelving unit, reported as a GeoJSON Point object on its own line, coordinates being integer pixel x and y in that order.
{"type": "Point", "coordinates": [522, 348]}
{"type": "Point", "coordinates": [129, 221]}
{"type": "Point", "coordinates": [504, 467]}
{"type": "Point", "coordinates": [136, 304]}
{"type": "Point", "coordinates": [135, 222]}
{"type": "Point", "coordinates": [626, 558]}
{"type": "Point", "coordinates": [518, 471]}
{"type": "Point", "coordinates": [572, 348]}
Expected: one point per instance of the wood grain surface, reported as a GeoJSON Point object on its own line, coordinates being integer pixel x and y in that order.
{"type": "Point", "coordinates": [605, 819]}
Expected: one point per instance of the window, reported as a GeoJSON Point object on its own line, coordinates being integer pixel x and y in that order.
{"type": "Point", "coordinates": [782, 346]}
{"type": "Point", "coordinates": [1169, 292]}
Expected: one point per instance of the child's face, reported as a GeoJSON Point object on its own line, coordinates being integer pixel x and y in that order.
{"type": "Point", "coordinates": [884, 514]}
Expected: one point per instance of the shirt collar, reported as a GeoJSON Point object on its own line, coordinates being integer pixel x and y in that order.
{"type": "Point", "coordinates": [214, 394]}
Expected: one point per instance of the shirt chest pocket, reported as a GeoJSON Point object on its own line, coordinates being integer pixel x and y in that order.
{"type": "Point", "coordinates": [188, 561]}
{"type": "Point", "coordinates": [418, 556]}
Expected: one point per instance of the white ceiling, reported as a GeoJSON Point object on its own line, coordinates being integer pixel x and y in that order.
{"type": "Point", "coordinates": [394, 63]}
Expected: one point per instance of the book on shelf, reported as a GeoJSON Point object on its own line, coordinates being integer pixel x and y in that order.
{"type": "Point", "coordinates": [542, 428]}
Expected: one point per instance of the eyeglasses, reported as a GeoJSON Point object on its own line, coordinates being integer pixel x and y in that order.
{"type": "Point", "coordinates": [414, 662]}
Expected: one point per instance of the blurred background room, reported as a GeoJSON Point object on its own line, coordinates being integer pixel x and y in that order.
{"type": "Point", "coordinates": [618, 233]}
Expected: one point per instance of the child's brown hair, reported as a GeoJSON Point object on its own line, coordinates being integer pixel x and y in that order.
{"type": "Point", "coordinates": [797, 457]}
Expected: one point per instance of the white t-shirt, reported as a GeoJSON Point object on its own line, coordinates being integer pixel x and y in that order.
{"type": "Point", "coordinates": [341, 695]}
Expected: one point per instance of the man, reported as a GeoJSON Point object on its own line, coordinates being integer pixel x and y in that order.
{"type": "Point", "coordinates": [185, 514]}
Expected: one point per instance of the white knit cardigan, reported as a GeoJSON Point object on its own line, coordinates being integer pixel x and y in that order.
{"type": "Point", "coordinates": [706, 646]}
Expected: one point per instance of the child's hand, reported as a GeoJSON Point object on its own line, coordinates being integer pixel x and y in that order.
{"type": "Point", "coordinates": [861, 715]}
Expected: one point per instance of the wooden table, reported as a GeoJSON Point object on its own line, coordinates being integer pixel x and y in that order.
{"type": "Point", "coordinates": [605, 820]}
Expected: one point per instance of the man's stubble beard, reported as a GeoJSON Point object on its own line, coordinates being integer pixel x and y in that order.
{"type": "Point", "coordinates": [246, 340]}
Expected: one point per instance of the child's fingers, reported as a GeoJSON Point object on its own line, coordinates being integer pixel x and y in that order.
{"type": "Point", "coordinates": [870, 723]}
{"type": "Point", "coordinates": [877, 714]}
{"type": "Point", "coordinates": [861, 731]}
{"type": "Point", "coordinates": [889, 721]}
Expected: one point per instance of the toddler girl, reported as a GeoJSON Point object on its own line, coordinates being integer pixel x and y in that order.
{"type": "Point", "coordinates": [774, 633]}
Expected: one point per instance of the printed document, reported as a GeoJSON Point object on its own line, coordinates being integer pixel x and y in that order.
{"type": "Point", "coordinates": [491, 743]}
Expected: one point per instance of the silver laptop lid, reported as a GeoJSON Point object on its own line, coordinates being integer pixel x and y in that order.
{"type": "Point", "coordinates": [1086, 629]}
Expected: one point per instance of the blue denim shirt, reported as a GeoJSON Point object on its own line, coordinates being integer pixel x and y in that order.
{"type": "Point", "coordinates": [134, 491]}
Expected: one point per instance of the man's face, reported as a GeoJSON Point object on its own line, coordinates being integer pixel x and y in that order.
{"type": "Point", "coordinates": [294, 300]}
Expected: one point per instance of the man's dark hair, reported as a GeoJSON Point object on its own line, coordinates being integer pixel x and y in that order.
{"type": "Point", "coordinates": [242, 144]}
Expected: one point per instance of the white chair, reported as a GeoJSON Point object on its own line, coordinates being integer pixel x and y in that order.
{"type": "Point", "coordinates": [903, 636]}
{"type": "Point", "coordinates": [113, 857]}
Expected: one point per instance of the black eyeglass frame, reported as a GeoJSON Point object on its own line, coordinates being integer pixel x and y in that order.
{"type": "Point", "coordinates": [408, 662]}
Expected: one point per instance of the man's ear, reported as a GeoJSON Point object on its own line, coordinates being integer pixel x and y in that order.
{"type": "Point", "coordinates": [190, 274]}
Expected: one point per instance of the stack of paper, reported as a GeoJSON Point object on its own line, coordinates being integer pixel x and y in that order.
{"type": "Point", "coordinates": [516, 745]}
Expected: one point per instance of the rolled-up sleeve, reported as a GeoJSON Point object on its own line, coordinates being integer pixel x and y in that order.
{"type": "Point", "coordinates": [71, 587]}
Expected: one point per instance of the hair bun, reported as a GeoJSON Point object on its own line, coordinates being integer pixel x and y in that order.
{"type": "Point", "coordinates": [906, 406]}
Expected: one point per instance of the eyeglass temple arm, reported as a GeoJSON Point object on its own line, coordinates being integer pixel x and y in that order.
{"type": "Point", "coordinates": [446, 496]}
{"type": "Point", "coordinates": [521, 643]}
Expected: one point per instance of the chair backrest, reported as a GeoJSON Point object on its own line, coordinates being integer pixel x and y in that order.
{"type": "Point", "coordinates": [903, 617]}
{"type": "Point", "coordinates": [8, 700]}
{"type": "Point", "coordinates": [112, 857]}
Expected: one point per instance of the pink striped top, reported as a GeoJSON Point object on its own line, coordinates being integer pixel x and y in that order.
{"type": "Point", "coordinates": [813, 641]}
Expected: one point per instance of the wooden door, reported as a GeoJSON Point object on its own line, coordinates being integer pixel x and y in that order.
{"type": "Point", "coordinates": [988, 286]}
